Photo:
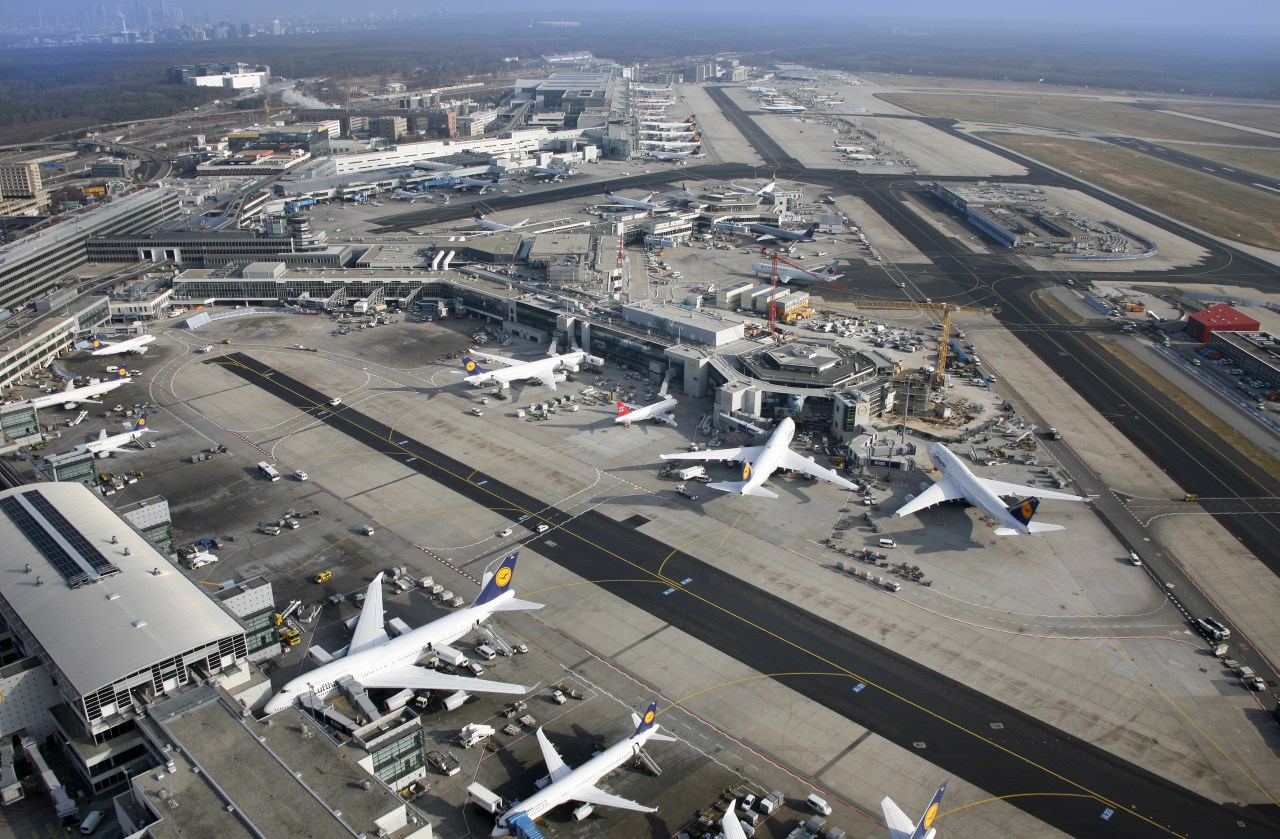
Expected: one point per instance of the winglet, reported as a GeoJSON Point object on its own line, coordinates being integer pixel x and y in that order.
{"type": "Point", "coordinates": [500, 583]}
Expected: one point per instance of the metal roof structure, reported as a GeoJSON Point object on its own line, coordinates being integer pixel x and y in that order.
{"type": "Point", "coordinates": [100, 600]}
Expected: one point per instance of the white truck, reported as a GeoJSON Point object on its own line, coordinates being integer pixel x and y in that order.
{"type": "Point", "coordinates": [688, 473]}
{"type": "Point", "coordinates": [452, 656]}
{"type": "Point", "coordinates": [485, 798]}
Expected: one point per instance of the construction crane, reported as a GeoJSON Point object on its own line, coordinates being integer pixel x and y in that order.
{"type": "Point", "coordinates": [947, 309]}
{"type": "Point", "coordinates": [774, 259]}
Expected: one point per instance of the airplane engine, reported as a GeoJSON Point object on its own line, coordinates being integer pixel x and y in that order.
{"type": "Point", "coordinates": [923, 486]}
{"type": "Point", "coordinates": [102, 454]}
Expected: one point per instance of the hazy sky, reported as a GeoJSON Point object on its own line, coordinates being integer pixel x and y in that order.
{"type": "Point", "coordinates": [1107, 14]}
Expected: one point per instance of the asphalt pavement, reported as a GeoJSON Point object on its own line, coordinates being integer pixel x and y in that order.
{"type": "Point", "coordinates": [1066, 782]}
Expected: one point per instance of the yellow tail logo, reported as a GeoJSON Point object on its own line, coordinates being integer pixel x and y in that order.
{"type": "Point", "coordinates": [746, 471]}
{"type": "Point", "coordinates": [502, 577]}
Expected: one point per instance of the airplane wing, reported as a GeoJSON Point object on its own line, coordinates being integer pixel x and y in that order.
{"type": "Point", "coordinates": [768, 237]}
{"type": "Point", "coordinates": [370, 628]}
{"type": "Point", "coordinates": [1003, 488]}
{"type": "Point", "coordinates": [548, 379]}
{"type": "Point", "coordinates": [420, 678]}
{"type": "Point", "coordinates": [669, 419]}
{"type": "Point", "coordinates": [595, 795]}
{"type": "Point", "coordinates": [729, 825]}
{"type": "Point", "coordinates": [899, 823]}
{"type": "Point", "coordinates": [740, 453]}
{"type": "Point", "coordinates": [943, 490]}
{"type": "Point", "coordinates": [555, 763]}
{"type": "Point", "coordinates": [495, 359]}
{"type": "Point", "coordinates": [791, 460]}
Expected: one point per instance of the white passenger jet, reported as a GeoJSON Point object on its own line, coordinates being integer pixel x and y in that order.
{"type": "Point", "coordinates": [477, 183]}
{"type": "Point", "coordinates": [496, 226]}
{"type": "Point", "coordinates": [659, 411]}
{"type": "Point", "coordinates": [409, 195]}
{"type": "Point", "coordinates": [548, 370]}
{"type": "Point", "coordinates": [777, 234]}
{"type": "Point", "coordinates": [105, 446]}
{"type": "Point", "coordinates": [862, 157]}
{"type": "Point", "coordinates": [136, 345]}
{"type": "Point", "coordinates": [551, 172]}
{"type": "Point", "coordinates": [984, 493]}
{"type": "Point", "coordinates": [900, 824]}
{"type": "Point", "coordinates": [375, 660]}
{"type": "Point", "coordinates": [849, 149]}
{"type": "Point", "coordinates": [676, 156]}
{"type": "Point", "coordinates": [761, 461]}
{"type": "Point", "coordinates": [580, 784]}
{"type": "Point", "coordinates": [73, 396]}
{"type": "Point", "coordinates": [687, 125]}
{"type": "Point", "coordinates": [640, 204]}
{"type": "Point", "coordinates": [786, 273]}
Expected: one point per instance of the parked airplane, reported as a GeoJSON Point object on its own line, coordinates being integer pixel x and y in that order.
{"type": "Point", "coordinates": [859, 156]}
{"type": "Point", "coordinates": [676, 156]}
{"type": "Point", "coordinates": [74, 396]}
{"type": "Point", "coordinates": [762, 91]}
{"type": "Point", "coordinates": [546, 370]}
{"type": "Point", "coordinates": [495, 225]}
{"type": "Point", "coordinates": [551, 172]}
{"type": "Point", "coordinates": [640, 204]}
{"type": "Point", "coordinates": [137, 345]}
{"type": "Point", "coordinates": [789, 108]}
{"type": "Point", "coordinates": [687, 125]}
{"type": "Point", "coordinates": [771, 234]}
{"type": "Point", "coordinates": [375, 660]}
{"type": "Point", "coordinates": [761, 461]}
{"type": "Point", "coordinates": [408, 195]}
{"type": "Point", "coordinates": [580, 784]}
{"type": "Point", "coordinates": [659, 411]}
{"type": "Point", "coordinates": [672, 145]}
{"type": "Point", "coordinates": [900, 824]}
{"type": "Point", "coordinates": [850, 149]}
{"type": "Point", "coordinates": [786, 273]}
{"type": "Point", "coordinates": [476, 183]}
{"type": "Point", "coordinates": [105, 446]}
{"type": "Point", "coordinates": [984, 493]}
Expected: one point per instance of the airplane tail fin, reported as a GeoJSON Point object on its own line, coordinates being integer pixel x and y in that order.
{"type": "Point", "coordinates": [742, 488]}
{"type": "Point", "coordinates": [623, 410]}
{"type": "Point", "coordinates": [646, 723]}
{"type": "Point", "coordinates": [479, 216]}
{"type": "Point", "coordinates": [900, 824]}
{"type": "Point", "coordinates": [499, 582]}
{"type": "Point", "coordinates": [471, 368]}
{"type": "Point", "coordinates": [605, 188]}
{"type": "Point", "coordinates": [924, 827]}
{"type": "Point", "coordinates": [1023, 510]}
{"type": "Point", "coordinates": [832, 268]}
{"type": "Point", "coordinates": [813, 228]}
{"type": "Point", "coordinates": [690, 119]}
{"type": "Point", "coordinates": [141, 424]}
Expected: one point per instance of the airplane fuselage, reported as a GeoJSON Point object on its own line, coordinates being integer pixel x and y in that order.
{"type": "Point", "coordinates": [396, 652]}
{"type": "Point", "coordinates": [558, 792]}
{"type": "Point", "coordinates": [110, 444]}
{"type": "Point", "coordinates": [647, 412]}
{"type": "Point", "coordinates": [133, 345]}
{"type": "Point", "coordinates": [77, 395]}
{"type": "Point", "coordinates": [757, 472]}
{"type": "Point", "coordinates": [569, 362]}
{"type": "Point", "coordinates": [974, 490]}
{"type": "Point", "coordinates": [787, 272]}
{"type": "Point", "coordinates": [779, 233]}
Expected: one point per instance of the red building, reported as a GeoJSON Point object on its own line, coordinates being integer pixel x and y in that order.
{"type": "Point", "coordinates": [1219, 318]}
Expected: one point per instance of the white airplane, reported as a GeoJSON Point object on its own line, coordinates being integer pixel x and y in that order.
{"type": "Point", "coordinates": [773, 234]}
{"type": "Point", "coordinates": [764, 190]}
{"type": "Point", "coordinates": [375, 660]}
{"type": "Point", "coordinates": [73, 396]}
{"type": "Point", "coordinates": [640, 204]}
{"type": "Point", "coordinates": [859, 156]}
{"type": "Point", "coordinates": [476, 183]}
{"type": "Point", "coordinates": [849, 149]}
{"type": "Point", "coordinates": [900, 824]}
{"type": "Point", "coordinates": [496, 226]}
{"type": "Point", "coordinates": [659, 411]}
{"type": "Point", "coordinates": [136, 345]}
{"type": "Point", "coordinates": [984, 493]}
{"type": "Point", "coordinates": [551, 172]}
{"type": "Point", "coordinates": [695, 140]}
{"type": "Point", "coordinates": [761, 461]}
{"type": "Point", "coordinates": [548, 370]}
{"type": "Point", "coordinates": [687, 125]}
{"type": "Point", "coordinates": [783, 109]}
{"type": "Point", "coordinates": [762, 91]}
{"type": "Point", "coordinates": [676, 156]}
{"type": "Point", "coordinates": [105, 446]}
{"type": "Point", "coordinates": [580, 784]}
{"type": "Point", "coordinates": [786, 273]}
{"type": "Point", "coordinates": [408, 195]}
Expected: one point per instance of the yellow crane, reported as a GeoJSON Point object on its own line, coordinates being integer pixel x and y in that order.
{"type": "Point", "coordinates": [947, 309]}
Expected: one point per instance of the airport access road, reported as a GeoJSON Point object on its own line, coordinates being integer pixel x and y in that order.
{"type": "Point", "coordinates": [1066, 782]}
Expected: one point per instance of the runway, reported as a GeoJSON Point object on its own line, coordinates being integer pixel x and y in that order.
{"type": "Point", "coordinates": [1262, 183]}
{"type": "Point", "coordinates": [1059, 779]}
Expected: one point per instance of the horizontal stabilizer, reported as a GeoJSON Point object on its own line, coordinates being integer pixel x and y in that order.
{"type": "Point", "coordinates": [514, 604]}
{"type": "Point", "coordinates": [742, 488]}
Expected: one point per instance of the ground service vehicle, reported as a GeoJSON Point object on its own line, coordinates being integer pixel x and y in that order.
{"type": "Point", "coordinates": [268, 471]}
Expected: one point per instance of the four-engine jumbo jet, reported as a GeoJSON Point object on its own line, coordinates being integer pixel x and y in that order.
{"type": "Point", "coordinates": [848, 149]}
{"type": "Point", "coordinates": [777, 234]}
{"type": "Point", "coordinates": [659, 411]}
{"type": "Point", "coordinates": [546, 370]}
{"type": "Point", "coordinates": [375, 660]}
{"type": "Point", "coordinates": [136, 345]}
{"type": "Point", "coordinates": [676, 156]}
{"type": "Point", "coordinates": [786, 273]}
{"type": "Point", "coordinates": [761, 462]}
{"type": "Point", "coordinates": [580, 784]}
{"type": "Point", "coordinates": [900, 824]}
{"type": "Point", "coordinates": [496, 226]}
{"type": "Point", "coordinates": [984, 493]}
{"type": "Point", "coordinates": [74, 396]}
{"type": "Point", "coordinates": [640, 204]}
{"type": "Point", "coordinates": [687, 125]}
{"type": "Point", "coordinates": [104, 445]}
